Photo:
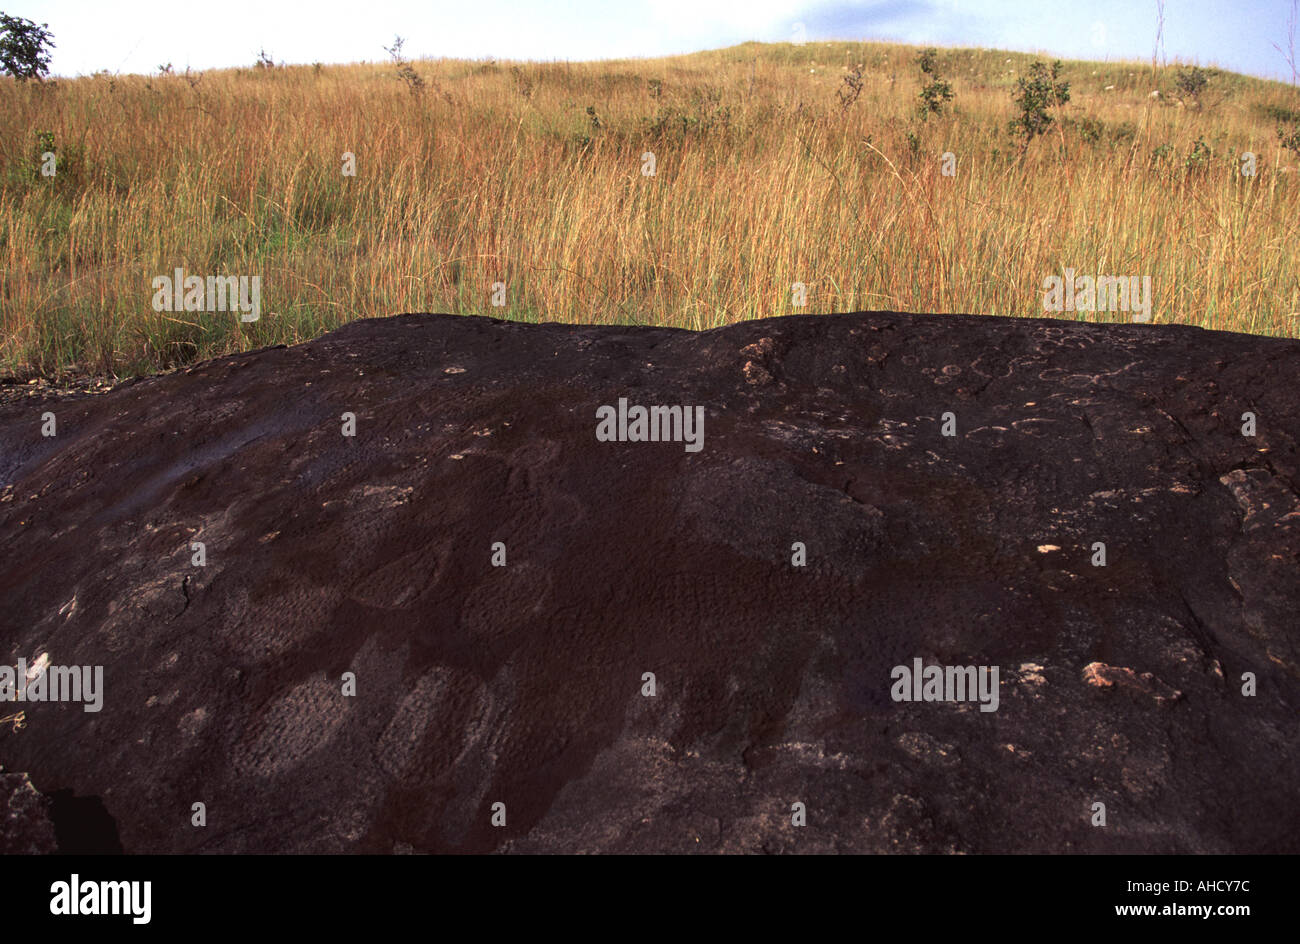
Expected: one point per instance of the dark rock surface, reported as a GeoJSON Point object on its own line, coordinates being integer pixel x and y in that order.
{"type": "Point", "coordinates": [25, 824]}
{"type": "Point", "coordinates": [1119, 684]}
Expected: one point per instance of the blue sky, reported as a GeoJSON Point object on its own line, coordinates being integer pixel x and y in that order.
{"type": "Point", "coordinates": [139, 35]}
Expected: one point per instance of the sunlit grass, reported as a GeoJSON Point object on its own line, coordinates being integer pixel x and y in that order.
{"type": "Point", "coordinates": [498, 172]}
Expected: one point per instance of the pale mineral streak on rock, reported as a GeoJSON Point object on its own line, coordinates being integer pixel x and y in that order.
{"type": "Point", "coordinates": [1101, 675]}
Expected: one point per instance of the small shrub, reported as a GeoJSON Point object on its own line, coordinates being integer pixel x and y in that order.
{"type": "Point", "coordinates": [524, 85]}
{"type": "Point", "coordinates": [1288, 136]}
{"type": "Point", "coordinates": [1198, 158]}
{"type": "Point", "coordinates": [44, 143]}
{"type": "Point", "coordinates": [850, 89]}
{"type": "Point", "coordinates": [1124, 132]}
{"type": "Point", "coordinates": [937, 92]}
{"type": "Point", "coordinates": [1034, 96]}
{"type": "Point", "coordinates": [405, 71]}
{"type": "Point", "coordinates": [69, 162]}
{"type": "Point", "coordinates": [672, 124]}
{"type": "Point", "coordinates": [669, 125]}
{"type": "Point", "coordinates": [1191, 83]}
{"type": "Point", "coordinates": [1090, 130]}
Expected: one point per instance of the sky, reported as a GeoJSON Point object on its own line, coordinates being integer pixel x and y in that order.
{"type": "Point", "coordinates": [141, 35]}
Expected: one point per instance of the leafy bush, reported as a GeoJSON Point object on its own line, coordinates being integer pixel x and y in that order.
{"type": "Point", "coordinates": [1191, 83]}
{"type": "Point", "coordinates": [1199, 156]}
{"type": "Point", "coordinates": [850, 89]}
{"type": "Point", "coordinates": [938, 92]}
{"type": "Point", "coordinates": [405, 71]}
{"type": "Point", "coordinates": [673, 125]}
{"type": "Point", "coordinates": [1161, 155]}
{"type": "Point", "coordinates": [1034, 96]}
{"type": "Point", "coordinates": [24, 48]}
{"type": "Point", "coordinates": [1288, 136]}
{"type": "Point", "coordinates": [44, 142]}
{"type": "Point", "coordinates": [70, 165]}
{"type": "Point", "coordinates": [1090, 130]}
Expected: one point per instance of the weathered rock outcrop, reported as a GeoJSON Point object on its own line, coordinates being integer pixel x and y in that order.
{"type": "Point", "coordinates": [475, 684]}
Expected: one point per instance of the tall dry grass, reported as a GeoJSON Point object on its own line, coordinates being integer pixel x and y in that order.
{"type": "Point", "coordinates": [530, 175]}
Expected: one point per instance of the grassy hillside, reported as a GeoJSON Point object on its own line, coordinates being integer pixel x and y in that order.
{"type": "Point", "coordinates": [472, 173]}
